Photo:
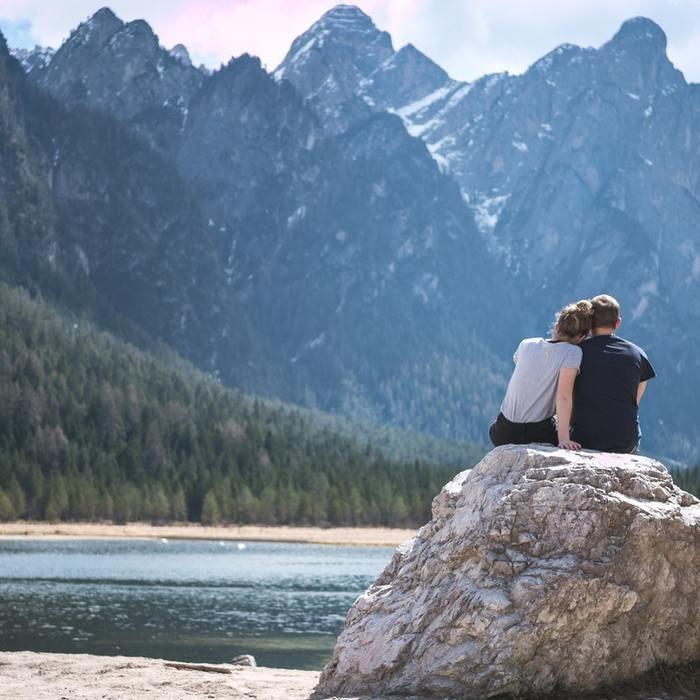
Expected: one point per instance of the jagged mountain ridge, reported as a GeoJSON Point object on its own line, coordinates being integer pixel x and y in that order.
{"type": "Point", "coordinates": [152, 89]}
{"type": "Point", "coordinates": [543, 161]}
{"type": "Point", "coordinates": [345, 68]}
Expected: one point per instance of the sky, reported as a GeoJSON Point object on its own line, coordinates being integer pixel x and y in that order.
{"type": "Point", "coordinates": [466, 37]}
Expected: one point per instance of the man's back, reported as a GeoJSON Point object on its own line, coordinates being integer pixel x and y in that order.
{"type": "Point", "coordinates": [605, 394]}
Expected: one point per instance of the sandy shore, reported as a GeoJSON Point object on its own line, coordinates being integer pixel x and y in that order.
{"type": "Point", "coordinates": [389, 537]}
{"type": "Point", "coordinates": [25, 675]}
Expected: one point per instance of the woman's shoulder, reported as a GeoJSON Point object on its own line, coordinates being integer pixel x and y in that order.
{"type": "Point", "coordinates": [532, 341]}
{"type": "Point", "coordinates": [527, 348]}
{"type": "Point", "coordinates": [571, 355]}
{"type": "Point", "coordinates": [569, 349]}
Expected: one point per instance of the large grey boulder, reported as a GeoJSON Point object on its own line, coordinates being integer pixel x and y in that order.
{"type": "Point", "coordinates": [541, 569]}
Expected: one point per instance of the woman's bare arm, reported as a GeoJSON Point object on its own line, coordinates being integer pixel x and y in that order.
{"type": "Point", "coordinates": [565, 402]}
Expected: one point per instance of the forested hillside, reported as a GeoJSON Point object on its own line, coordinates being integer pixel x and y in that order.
{"type": "Point", "coordinates": [92, 428]}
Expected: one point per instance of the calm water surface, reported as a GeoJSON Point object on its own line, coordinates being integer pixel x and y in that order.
{"type": "Point", "coordinates": [181, 599]}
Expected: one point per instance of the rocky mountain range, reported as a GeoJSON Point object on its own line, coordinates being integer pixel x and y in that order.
{"type": "Point", "coordinates": [370, 236]}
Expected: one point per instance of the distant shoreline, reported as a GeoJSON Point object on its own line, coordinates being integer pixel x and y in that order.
{"type": "Point", "coordinates": [359, 536]}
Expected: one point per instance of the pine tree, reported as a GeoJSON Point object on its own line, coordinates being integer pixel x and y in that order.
{"type": "Point", "coordinates": [210, 510]}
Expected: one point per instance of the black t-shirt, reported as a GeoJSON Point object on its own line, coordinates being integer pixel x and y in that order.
{"type": "Point", "coordinates": [605, 394]}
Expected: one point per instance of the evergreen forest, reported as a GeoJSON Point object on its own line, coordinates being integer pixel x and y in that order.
{"type": "Point", "coordinates": [92, 428]}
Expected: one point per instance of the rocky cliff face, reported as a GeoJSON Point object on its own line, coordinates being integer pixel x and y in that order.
{"type": "Point", "coordinates": [346, 68]}
{"type": "Point", "coordinates": [123, 70]}
{"type": "Point", "coordinates": [28, 218]}
{"type": "Point", "coordinates": [94, 217]}
{"type": "Point", "coordinates": [384, 305]}
{"type": "Point", "coordinates": [365, 308]}
{"type": "Point", "coordinates": [541, 569]}
{"type": "Point", "coordinates": [329, 62]}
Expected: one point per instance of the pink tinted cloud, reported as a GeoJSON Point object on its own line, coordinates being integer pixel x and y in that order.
{"type": "Point", "coordinates": [219, 29]}
{"type": "Point", "coordinates": [467, 37]}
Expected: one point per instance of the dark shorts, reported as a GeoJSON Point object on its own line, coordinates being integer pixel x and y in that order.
{"type": "Point", "coordinates": [505, 432]}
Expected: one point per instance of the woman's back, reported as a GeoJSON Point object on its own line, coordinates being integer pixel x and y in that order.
{"type": "Point", "coordinates": [532, 390]}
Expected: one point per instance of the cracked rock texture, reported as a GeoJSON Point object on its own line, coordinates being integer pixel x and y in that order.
{"type": "Point", "coordinates": [540, 570]}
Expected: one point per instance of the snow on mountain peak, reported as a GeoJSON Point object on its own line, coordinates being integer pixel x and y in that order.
{"type": "Point", "coordinates": [563, 51]}
{"type": "Point", "coordinates": [37, 58]}
{"type": "Point", "coordinates": [140, 29]}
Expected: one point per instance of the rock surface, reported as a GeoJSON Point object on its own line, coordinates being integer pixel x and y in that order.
{"type": "Point", "coordinates": [540, 570]}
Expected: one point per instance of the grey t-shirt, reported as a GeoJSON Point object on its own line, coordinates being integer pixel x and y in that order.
{"type": "Point", "coordinates": [532, 391]}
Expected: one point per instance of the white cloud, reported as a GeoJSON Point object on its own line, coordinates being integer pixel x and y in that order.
{"type": "Point", "coordinates": [472, 38]}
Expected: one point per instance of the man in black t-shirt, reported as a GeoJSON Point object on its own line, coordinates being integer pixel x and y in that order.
{"type": "Point", "coordinates": [612, 379]}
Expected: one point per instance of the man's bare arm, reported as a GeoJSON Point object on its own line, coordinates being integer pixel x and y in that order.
{"type": "Point", "coordinates": [640, 391]}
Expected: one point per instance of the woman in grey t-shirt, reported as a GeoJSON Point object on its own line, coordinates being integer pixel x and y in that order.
{"type": "Point", "coordinates": [542, 384]}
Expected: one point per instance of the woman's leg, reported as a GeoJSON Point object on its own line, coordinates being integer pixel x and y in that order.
{"type": "Point", "coordinates": [501, 432]}
{"type": "Point", "coordinates": [495, 434]}
{"type": "Point", "coordinates": [505, 432]}
{"type": "Point", "coordinates": [545, 432]}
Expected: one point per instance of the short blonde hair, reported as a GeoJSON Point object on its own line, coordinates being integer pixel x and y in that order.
{"type": "Point", "coordinates": [606, 311]}
{"type": "Point", "coordinates": [574, 320]}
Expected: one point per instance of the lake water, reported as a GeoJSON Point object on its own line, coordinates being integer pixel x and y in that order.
{"type": "Point", "coordinates": [187, 600]}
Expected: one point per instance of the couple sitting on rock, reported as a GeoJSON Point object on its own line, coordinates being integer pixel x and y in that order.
{"type": "Point", "coordinates": [589, 377]}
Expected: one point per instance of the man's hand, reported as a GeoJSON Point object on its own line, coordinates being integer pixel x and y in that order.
{"type": "Point", "coordinates": [569, 445]}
